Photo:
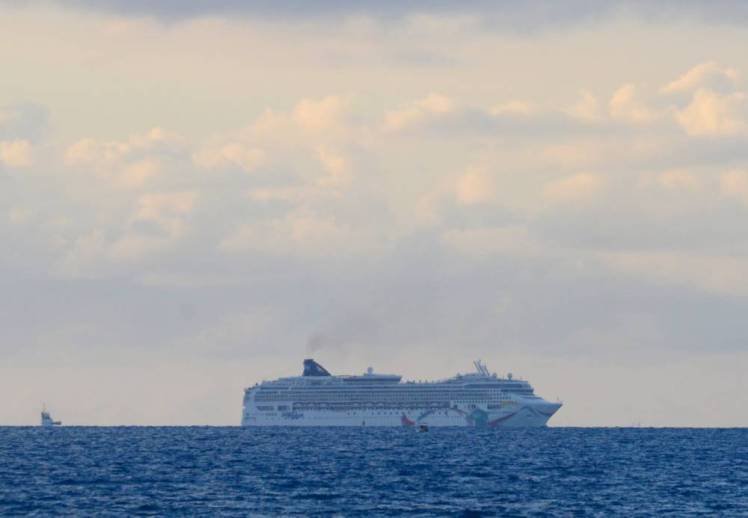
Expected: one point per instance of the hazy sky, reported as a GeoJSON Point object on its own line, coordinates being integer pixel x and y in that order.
{"type": "Point", "coordinates": [195, 196]}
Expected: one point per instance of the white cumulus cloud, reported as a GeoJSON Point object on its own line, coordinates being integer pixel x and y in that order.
{"type": "Point", "coordinates": [475, 186]}
{"type": "Point", "coordinates": [430, 107]}
{"type": "Point", "coordinates": [221, 155]}
{"type": "Point", "coordinates": [713, 114]}
{"type": "Point", "coordinates": [15, 153]}
{"type": "Point", "coordinates": [625, 105]}
{"type": "Point", "coordinates": [709, 74]}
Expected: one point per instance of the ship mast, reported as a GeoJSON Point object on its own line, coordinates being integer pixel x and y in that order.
{"type": "Point", "coordinates": [481, 368]}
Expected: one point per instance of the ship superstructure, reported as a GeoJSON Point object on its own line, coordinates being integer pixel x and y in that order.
{"type": "Point", "coordinates": [46, 419]}
{"type": "Point", "coordinates": [317, 398]}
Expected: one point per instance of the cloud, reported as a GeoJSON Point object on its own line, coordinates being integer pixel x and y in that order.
{"type": "Point", "coordinates": [298, 195]}
{"type": "Point", "coordinates": [712, 114]}
{"type": "Point", "coordinates": [526, 17]}
{"type": "Point", "coordinates": [18, 215]}
{"type": "Point", "coordinates": [438, 115]}
{"type": "Point", "coordinates": [625, 106]}
{"type": "Point", "coordinates": [317, 118]}
{"type": "Point", "coordinates": [15, 153]}
{"type": "Point", "coordinates": [735, 183]}
{"type": "Point", "coordinates": [313, 132]}
{"type": "Point", "coordinates": [515, 108]}
{"type": "Point", "coordinates": [155, 223]}
{"type": "Point", "coordinates": [710, 101]}
{"type": "Point", "coordinates": [25, 121]}
{"type": "Point", "coordinates": [588, 108]}
{"type": "Point", "coordinates": [680, 180]}
{"type": "Point", "coordinates": [514, 240]}
{"type": "Point", "coordinates": [298, 233]}
{"type": "Point", "coordinates": [94, 152]}
{"type": "Point", "coordinates": [138, 173]}
{"type": "Point", "coordinates": [130, 163]}
{"type": "Point", "coordinates": [338, 174]}
{"type": "Point", "coordinates": [322, 114]}
{"type": "Point", "coordinates": [576, 188]}
{"type": "Point", "coordinates": [222, 155]}
{"type": "Point", "coordinates": [709, 74]}
{"type": "Point", "coordinates": [474, 187]}
{"type": "Point", "coordinates": [712, 273]}
{"type": "Point", "coordinates": [163, 207]}
{"type": "Point", "coordinates": [429, 108]}
{"type": "Point", "coordinates": [540, 13]}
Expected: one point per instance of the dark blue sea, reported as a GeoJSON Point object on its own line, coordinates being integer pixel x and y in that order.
{"type": "Point", "coordinates": [373, 472]}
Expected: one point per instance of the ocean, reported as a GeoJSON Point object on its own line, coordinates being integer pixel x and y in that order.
{"type": "Point", "coordinates": [86, 471]}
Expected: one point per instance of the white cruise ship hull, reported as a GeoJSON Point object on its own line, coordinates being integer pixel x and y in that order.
{"type": "Point", "coordinates": [531, 415]}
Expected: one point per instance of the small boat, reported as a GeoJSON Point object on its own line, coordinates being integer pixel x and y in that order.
{"type": "Point", "coordinates": [47, 419]}
{"type": "Point", "coordinates": [423, 428]}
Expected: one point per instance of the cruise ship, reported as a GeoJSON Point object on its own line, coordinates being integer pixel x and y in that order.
{"type": "Point", "coordinates": [317, 398]}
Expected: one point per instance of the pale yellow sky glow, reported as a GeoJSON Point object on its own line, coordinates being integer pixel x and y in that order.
{"type": "Point", "coordinates": [193, 200]}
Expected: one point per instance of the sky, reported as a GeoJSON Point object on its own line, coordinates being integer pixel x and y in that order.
{"type": "Point", "coordinates": [195, 196]}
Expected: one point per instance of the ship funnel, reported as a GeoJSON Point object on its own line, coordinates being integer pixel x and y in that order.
{"type": "Point", "coordinates": [312, 368]}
